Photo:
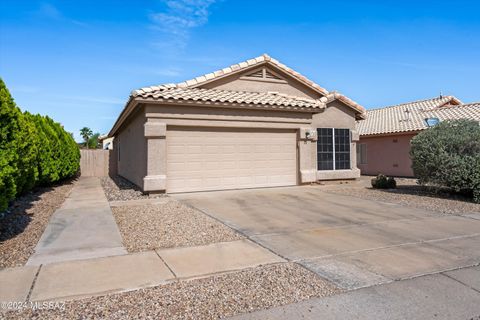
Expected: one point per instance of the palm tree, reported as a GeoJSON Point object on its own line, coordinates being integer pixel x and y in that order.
{"type": "Point", "coordinates": [86, 133]}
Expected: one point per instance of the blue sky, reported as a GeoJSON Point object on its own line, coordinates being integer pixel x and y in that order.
{"type": "Point", "coordinates": [77, 61]}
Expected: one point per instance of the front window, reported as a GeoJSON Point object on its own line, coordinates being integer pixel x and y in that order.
{"type": "Point", "coordinates": [333, 149]}
{"type": "Point", "coordinates": [361, 153]}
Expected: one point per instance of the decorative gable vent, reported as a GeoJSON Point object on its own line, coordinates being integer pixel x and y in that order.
{"type": "Point", "coordinates": [270, 75]}
{"type": "Point", "coordinates": [256, 74]}
{"type": "Point", "coordinates": [264, 74]}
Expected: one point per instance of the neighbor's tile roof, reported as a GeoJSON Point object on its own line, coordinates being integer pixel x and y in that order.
{"type": "Point", "coordinates": [411, 116]}
{"type": "Point", "coordinates": [464, 111]}
{"type": "Point", "coordinates": [172, 92]}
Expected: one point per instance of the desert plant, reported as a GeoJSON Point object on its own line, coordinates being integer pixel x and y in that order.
{"type": "Point", "coordinates": [448, 155]}
{"type": "Point", "coordinates": [383, 182]}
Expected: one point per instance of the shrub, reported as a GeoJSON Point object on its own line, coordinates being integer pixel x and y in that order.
{"type": "Point", "coordinates": [9, 131]}
{"type": "Point", "coordinates": [448, 154]}
{"type": "Point", "coordinates": [34, 150]}
{"type": "Point", "coordinates": [383, 182]}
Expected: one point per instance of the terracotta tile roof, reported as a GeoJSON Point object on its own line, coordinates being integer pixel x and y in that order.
{"type": "Point", "coordinates": [189, 92]}
{"type": "Point", "coordinates": [265, 98]}
{"type": "Point", "coordinates": [411, 116]}
{"type": "Point", "coordinates": [265, 58]}
{"type": "Point", "coordinates": [349, 102]}
{"type": "Point", "coordinates": [463, 111]}
{"type": "Point", "coordinates": [172, 92]}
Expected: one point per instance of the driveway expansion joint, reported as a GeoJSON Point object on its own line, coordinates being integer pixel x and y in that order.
{"type": "Point", "coordinates": [234, 228]}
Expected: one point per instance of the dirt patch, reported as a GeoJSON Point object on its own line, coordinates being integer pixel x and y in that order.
{"type": "Point", "coordinates": [167, 225]}
{"type": "Point", "coordinates": [210, 298]}
{"type": "Point", "coordinates": [408, 193]}
{"type": "Point", "coordinates": [22, 225]}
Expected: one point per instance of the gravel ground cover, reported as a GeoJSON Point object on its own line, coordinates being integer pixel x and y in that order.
{"type": "Point", "coordinates": [209, 298]}
{"type": "Point", "coordinates": [120, 189]}
{"type": "Point", "coordinates": [22, 225]}
{"type": "Point", "coordinates": [167, 225]}
{"type": "Point", "coordinates": [408, 193]}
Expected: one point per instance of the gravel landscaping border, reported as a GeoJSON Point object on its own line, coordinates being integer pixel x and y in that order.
{"type": "Point", "coordinates": [410, 194]}
{"type": "Point", "coordinates": [24, 222]}
{"type": "Point", "coordinates": [169, 224]}
{"type": "Point", "coordinates": [117, 188]}
{"type": "Point", "coordinates": [208, 298]}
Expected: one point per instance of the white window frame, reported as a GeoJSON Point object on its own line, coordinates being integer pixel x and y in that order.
{"type": "Point", "coordinates": [360, 145]}
{"type": "Point", "coordinates": [334, 150]}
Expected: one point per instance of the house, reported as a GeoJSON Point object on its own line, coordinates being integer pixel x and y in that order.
{"type": "Point", "coordinates": [254, 124]}
{"type": "Point", "coordinates": [385, 135]}
{"type": "Point", "coordinates": [106, 141]}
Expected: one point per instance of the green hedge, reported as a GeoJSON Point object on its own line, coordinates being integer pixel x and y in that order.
{"type": "Point", "coordinates": [34, 150]}
{"type": "Point", "coordinates": [449, 155]}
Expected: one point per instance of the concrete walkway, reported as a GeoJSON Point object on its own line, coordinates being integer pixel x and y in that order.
{"type": "Point", "coordinates": [85, 278]}
{"type": "Point", "coordinates": [449, 295]}
{"type": "Point", "coordinates": [82, 228]}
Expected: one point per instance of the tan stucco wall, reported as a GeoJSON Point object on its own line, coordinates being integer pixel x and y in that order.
{"type": "Point", "coordinates": [386, 156]}
{"type": "Point", "coordinates": [237, 83]}
{"type": "Point", "coordinates": [143, 138]}
{"type": "Point", "coordinates": [339, 116]}
{"type": "Point", "coordinates": [336, 115]}
{"type": "Point", "coordinates": [133, 149]}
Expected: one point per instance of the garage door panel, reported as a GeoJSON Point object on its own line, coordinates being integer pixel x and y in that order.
{"type": "Point", "coordinates": [216, 159]}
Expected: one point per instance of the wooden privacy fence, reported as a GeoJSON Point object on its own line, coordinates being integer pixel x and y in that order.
{"type": "Point", "coordinates": [97, 163]}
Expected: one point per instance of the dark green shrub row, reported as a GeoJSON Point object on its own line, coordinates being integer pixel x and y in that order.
{"type": "Point", "coordinates": [34, 150]}
{"type": "Point", "coordinates": [448, 154]}
{"type": "Point", "coordinates": [383, 182]}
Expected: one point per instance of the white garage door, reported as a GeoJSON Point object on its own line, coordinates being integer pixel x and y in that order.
{"type": "Point", "coordinates": [217, 158]}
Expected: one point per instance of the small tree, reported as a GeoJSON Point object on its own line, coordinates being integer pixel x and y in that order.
{"type": "Point", "coordinates": [93, 141]}
{"type": "Point", "coordinates": [86, 133]}
{"type": "Point", "coordinates": [449, 155]}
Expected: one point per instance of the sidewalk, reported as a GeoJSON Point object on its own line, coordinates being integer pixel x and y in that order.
{"type": "Point", "coordinates": [82, 228]}
{"type": "Point", "coordinates": [80, 254]}
{"type": "Point", "coordinates": [85, 278]}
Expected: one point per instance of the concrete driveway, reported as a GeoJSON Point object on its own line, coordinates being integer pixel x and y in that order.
{"type": "Point", "coordinates": [352, 242]}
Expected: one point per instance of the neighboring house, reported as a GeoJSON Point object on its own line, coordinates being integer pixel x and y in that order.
{"type": "Point", "coordinates": [253, 124]}
{"type": "Point", "coordinates": [385, 135]}
{"type": "Point", "coordinates": [106, 141]}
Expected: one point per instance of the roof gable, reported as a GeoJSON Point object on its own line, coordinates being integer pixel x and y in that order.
{"type": "Point", "coordinates": [252, 65]}
{"type": "Point", "coordinates": [202, 91]}
{"type": "Point", "coordinates": [247, 68]}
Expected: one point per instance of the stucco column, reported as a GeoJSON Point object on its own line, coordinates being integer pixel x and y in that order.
{"type": "Point", "coordinates": [353, 154]}
{"type": "Point", "coordinates": [156, 178]}
{"type": "Point", "coordinates": [306, 141]}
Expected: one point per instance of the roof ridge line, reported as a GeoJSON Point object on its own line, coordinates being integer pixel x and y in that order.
{"type": "Point", "coordinates": [412, 102]}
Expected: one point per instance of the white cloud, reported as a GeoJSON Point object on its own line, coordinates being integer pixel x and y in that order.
{"type": "Point", "coordinates": [49, 11]}
{"type": "Point", "coordinates": [179, 18]}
